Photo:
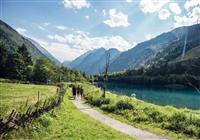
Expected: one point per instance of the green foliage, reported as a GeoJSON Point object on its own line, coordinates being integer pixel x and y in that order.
{"type": "Point", "coordinates": [25, 54]}
{"type": "Point", "coordinates": [3, 59]}
{"type": "Point", "coordinates": [99, 101]}
{"type": "Point", "coordinates": [18, 65]}
{"type": "Point", "coordinates": [165, 119]}
{"type": "Point", "coordinates": [122, 105]}
{"type": "Point", "coordinates": [44, 70]}
{"type": "Point", "coordinates": [15, 66]}
{"type": "Point", "coordinates": [108, 108]}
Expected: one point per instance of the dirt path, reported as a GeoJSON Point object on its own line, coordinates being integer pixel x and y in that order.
{"type": "Point", "coordinates": [122, 127]}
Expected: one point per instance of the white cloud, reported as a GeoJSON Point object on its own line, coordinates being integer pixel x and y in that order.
{"type": "Point", "coordinates": [164, 14]}
{"type": "Point", "coordinates": [87, 17]}
{"type": "Point", "coordinates": [149, 36]}
{"type": "Point", "coordinates": [82, 41]}
{"type": "Point", "coordinates": [117, 19]}
{"type": "Point", "coordinates": [174, 7]}
{"type": "Point", "coordinates": [61, 27]}
{"type": "Point", "coordinates": [76, 4]}
{"type": "Point", "coordinates": [104, 12]}
{"type": "Point", "coordinates": [191, 3]}
{"type": "Point", "coordinates": [134, 44]}
{"type": "Point", "coordinates": [46, 24]}
{"type": "Point", "coordinates": [192, 17]}
{"type": "Point", "coordinates": [21, 30]}
{"type": "Point", "coordinates": [41, 28]}
{"type": "Point", "coordinates": [58, 38]}
{"type": "Point", "coordinates": [152, 6]}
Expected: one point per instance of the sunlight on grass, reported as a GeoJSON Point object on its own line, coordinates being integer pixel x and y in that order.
{"type": "Point", "coordinates": [15, 96]}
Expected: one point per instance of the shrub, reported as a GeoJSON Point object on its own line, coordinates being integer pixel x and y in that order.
{"type": "Point", "coordinates": [178, 122]}
{"type": "Point", "coordinates": [122, 105]}
{"type": "Point", "coordinates": [100, 101]}
{"type": "Point", "coordinates": [108, 108]}
{"type": "Point", "coordinates": [141, 117]}
{"type": "Point", "coordinates": [154, 115]}
{"type": "Point", "coordinates": [191, 130]}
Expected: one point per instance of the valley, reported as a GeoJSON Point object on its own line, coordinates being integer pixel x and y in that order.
{"type": "Point", "coordinates": [100, 70]}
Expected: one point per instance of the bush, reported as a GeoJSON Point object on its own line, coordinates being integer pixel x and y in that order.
{"type": "Point", "coordinates": [178, 122]}
{"type": "Point", "coordinates": [191, 130]}
{"type": "Point", "coordinates": [154, 115]}
{"type": "Point", "coordinates": [100, 101]}
{"type": "Point", "coordinates": [108, 108]}
{"type": "Point", "coordinates": [141, 117]}
{"type": "Point", "coordinates": [122, 105]}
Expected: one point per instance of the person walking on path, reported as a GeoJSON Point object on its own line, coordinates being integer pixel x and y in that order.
{"type": "Point", "coordinates": [81, 92]}
{"type": "Point", "coordinates": [78, 92]}
{"type": "Point", "coordinates": [74, 90]}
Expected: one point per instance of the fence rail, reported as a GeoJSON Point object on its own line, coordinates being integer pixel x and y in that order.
{"type": "Point", "coordinates": [21, 119]}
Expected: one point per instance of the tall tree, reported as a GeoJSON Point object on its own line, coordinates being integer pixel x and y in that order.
{"type": "Point", "coordinates": [15, 67]}
{"type": "Point", "coordinates": [44, 71]}
{"type": "Point", "coordinates": [105, 77]}
{"type": "Point", "coordinates": [3, 59]}
{"type": "Point", "coordinates": [25, 54]}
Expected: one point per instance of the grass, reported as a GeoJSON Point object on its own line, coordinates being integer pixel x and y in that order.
{"type": "Point", "coordinates": [67, 123]}
{"type": "Point", "coordinates": [16, 96]}
{"type": "Point", "coordinates": [164, 120]}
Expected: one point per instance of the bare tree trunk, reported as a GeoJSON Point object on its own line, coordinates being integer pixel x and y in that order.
{"type": "Point", "coordinates": [105, 77]}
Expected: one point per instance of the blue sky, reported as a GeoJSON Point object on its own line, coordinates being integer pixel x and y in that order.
{"type": "Point", "coordinates": [69, 28]}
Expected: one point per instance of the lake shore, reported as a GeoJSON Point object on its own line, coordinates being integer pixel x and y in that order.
{"type": "Point", "coordinates": [165, 120]}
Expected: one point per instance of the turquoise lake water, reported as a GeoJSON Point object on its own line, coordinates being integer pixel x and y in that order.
{"type": "Point", "coordinates": [181, 98]}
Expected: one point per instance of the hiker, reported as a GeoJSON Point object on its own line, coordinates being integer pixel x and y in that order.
{"type": "Point", "coordinates": [74, 92]}
{"type": "Point", "coordinates": [81, 92]}
{"type": "Point", "coordinates": [78, 92]}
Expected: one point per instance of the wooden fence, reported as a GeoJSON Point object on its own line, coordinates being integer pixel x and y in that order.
{"type": "Point", "coordinates": [18, 119]}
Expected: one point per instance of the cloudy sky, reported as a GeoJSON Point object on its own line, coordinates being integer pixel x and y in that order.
{"type": "Point", "coordinates": [68, 28]}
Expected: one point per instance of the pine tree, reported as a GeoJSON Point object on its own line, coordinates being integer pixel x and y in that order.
{"type": "Point", "coordinates": [3, 59]}
{"type": "Point", "coordinates": [25, 54]}
{"type": "Point", "coordinates": [15, 67]}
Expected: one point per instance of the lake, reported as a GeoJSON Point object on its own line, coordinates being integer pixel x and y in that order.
{"type": "Point", "coordinates": [181, 98]}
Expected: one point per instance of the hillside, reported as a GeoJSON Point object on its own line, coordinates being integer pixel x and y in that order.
{"type": "Point", "coordinates": [157, 48]}
{"type": "Point", "coordinates": [93, 62]}
{"type": "Point", "coordinates": [12, 40]}
{"type": "Point", "coordinates": [44, 51]}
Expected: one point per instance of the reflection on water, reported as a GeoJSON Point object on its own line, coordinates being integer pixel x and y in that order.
{"type": "Point", "coordinates": [182, 98]}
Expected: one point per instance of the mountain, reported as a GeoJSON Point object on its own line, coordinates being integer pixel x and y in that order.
{"type": "Point", "coordinates": [12, 40]}
{"type": "Point", "coordinates": [146, 51]}
{"type": "Point", "coordinates": [44, 51]}
{"type": "Point", "coordinates": [187, 47]}
{"type": "Point", "coordinates": [66, 63]}
{"type": "Point", "coordinates": [93, 62]}
{"type": "Point", "coordinates": [75, 63]}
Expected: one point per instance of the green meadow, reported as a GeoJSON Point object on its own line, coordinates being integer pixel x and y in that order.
{"type": "Point", "coordinates": [18, 96]}
{"type": "Point", "coordinates": [64, 122]}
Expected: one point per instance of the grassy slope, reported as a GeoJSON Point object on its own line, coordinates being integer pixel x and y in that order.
{"type": "Point", "coordinates": [14, 96]}
{"type": "Point", "coordinates": [140, 107]}
{"type": "Point", "coordinates": [67, 123]}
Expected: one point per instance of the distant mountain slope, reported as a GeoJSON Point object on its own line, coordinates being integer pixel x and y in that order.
{"type": "Point", "coordinates": [187, 47]}
{"type": "Point", "coordinates": [66, 63]}
{"type": "Point", "coordinates": [12, 40]}
{"type": "Point", "coordinates": [93, 62]}
{"type": "Point", "coordinates": [75, 63]}
{"type": "Point", "coordinates": [44, 51]}
{"type": "Point", "coordinates": [146, 51]}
